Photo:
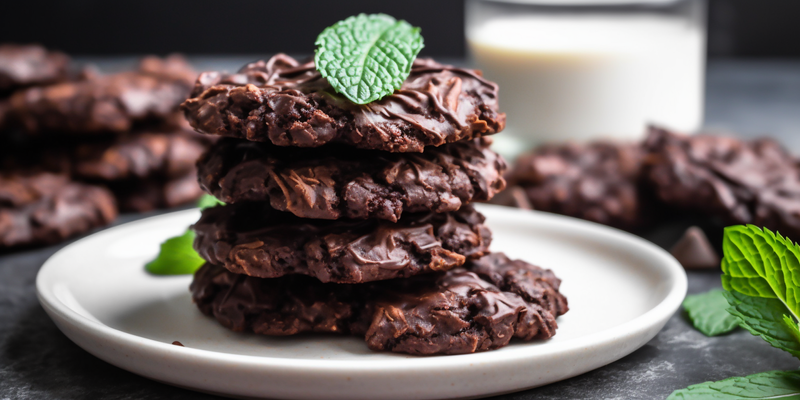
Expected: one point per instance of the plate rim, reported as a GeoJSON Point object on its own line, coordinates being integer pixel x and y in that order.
{"type": "Point", "coordinates": [661, 311]}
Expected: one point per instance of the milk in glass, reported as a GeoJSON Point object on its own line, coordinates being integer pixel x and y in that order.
{"type": "Point", "coordinates": [587, 76]}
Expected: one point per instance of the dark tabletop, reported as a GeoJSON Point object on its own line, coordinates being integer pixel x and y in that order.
{"type": "Point", "coordinates": [749, 98]}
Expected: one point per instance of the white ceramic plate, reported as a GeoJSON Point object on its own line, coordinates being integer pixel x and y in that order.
{"type": "Point", "coordinates": [621, 291]}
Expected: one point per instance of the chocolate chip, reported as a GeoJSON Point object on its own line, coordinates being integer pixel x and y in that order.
{"type": "Point", "coordinates": [694, 251]}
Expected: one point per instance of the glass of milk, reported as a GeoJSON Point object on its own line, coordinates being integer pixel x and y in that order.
{"type": "Point", "coordinates": [586, 69]}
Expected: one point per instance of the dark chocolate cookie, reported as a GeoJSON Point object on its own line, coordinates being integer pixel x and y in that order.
{"type": "Point", "coordinates": [142, 195]}
{"type": "Point", "coordinates": [106, 103]}
{"type": "Point", "coordinates": [140, 155]}
{"type": "Point", "coordinates": [343, 182]}
{"type": "Point", "coordinates": [756, 182]}
{"type": "Point", "coordinates": [480, 306]}
{"type": "Point", "coordinates": [29, 65]}
{"type": "Point", "coordinates": [254, 239]}
{"type": "Point", "coordinates": [598, 181]}
{"type": "Point", "coordinates": [290, 104]}
{"type": "Point", "coordinates": [47, 208]}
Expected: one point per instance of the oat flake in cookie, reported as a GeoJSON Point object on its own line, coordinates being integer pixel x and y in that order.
{"type": "Point", "coordinates": [480, 306]}
{"type": "Point", "coordinates": [47, 208]}
{"type": "Point", "coordinates": [342, 182]}
{"type": "Point", "coordinates": [254, 239]}
{"type": "Point", "coordinates": [289, 104]}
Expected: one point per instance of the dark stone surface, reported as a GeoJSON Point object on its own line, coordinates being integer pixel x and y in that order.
{"type": "Point", "coordinates": [38, 362]}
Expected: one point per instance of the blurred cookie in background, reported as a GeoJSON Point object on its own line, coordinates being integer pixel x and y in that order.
{"type": "Point", "coordinates": [741, 182]}
{"type": "Point", "coordinates": [139, 155]}
{"type": "Point", "coordinates": [30, 65]}
{"type": "Point", "coordinates": [112, 103]}
{"type": "Point", "coordinates": [47, 208]}
{"type": "Point", "coordinates": [156, 193]}
{"type": "Point", "coordinates": [146, 170]}
{"type": "Point", "coordinates": [668, 182]}
{"type": "Point", "coordinates": [598, 181]}
{"type": "Point", "coordinates": [120, 130]}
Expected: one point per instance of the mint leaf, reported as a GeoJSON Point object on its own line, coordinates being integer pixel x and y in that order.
{"type": "Point", "coordinates": [208, 201]}
{"type": "Point", "coordinates": [177, 257]}
{"type": "Point", "coordinates": [766, 318]}
{"type": "Point", "coordinates": [760, 263]}
{"type": "Point", "coordinates": [784, 385]}
{"type": "Point", "coordinates": [366, 57]}
{"type": "Point", "coordinates": [709, 313]}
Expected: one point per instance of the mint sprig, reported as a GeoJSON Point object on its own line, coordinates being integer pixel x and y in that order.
{"type": "Point", "coordinates": [761, 276]}
{"type": "Point", "coordinates": [708, 313]}
{"type": "Point", "coordinates": [177, 255]}
{"type": "Point", "coordinates": [783, 385]}
{"type": "Point", "coordinates": [366, 57]}
{"type": "Point", "coordinates": [764, 265]}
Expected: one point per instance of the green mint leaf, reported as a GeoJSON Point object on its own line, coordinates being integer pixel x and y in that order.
{"type": "Point", "coordinates": [766, 318]}
{"type": "Point", "coordinates": [784, 385]}
{"type": "Point", "coordinates": [709, 313]}
{"type": "Point", "coordinates": [208, 201]}
{"type": "Point", "coordinates": [177, 257]}
{"type": "Point", "coordinates": [760, 263]}
{"type": "Point", "coordinates": [366, 57]}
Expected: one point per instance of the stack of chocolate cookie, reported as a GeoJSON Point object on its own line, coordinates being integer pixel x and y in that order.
{"type": "Point", "coordinates": [356, 219]}
{"type": "Point", "coordinates": [93, 133]}
{"type": "Point", "coordinates": [120, 130]}
{"type": "Point", "coordinates": [38, 206]}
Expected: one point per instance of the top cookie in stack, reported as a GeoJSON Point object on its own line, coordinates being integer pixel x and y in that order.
{"type": "Point", "coordinates": [291, 104]}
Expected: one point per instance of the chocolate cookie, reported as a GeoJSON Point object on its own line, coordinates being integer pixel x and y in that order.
{"type": "Point", "coordinates": [598, 181]}
{"type": "Point", "coordinates": [342, 182]}
{"type": "Point", "coordinates": [140, 155]}
{"type": "Point", "coordinates": [109, 103]}
{"type": "Point", "coordinates": [289, 104]}
{"type": "Point", "coordinates": [142, 195]}
{"type": "Point", "coordinates": [28, 65]}
{"type": "Point", "coordinates": [480, 306]}
{"type": "Point", "coordinates": [47, 208]}
{"type": "Point", "coordinates": [254, 239]}
{"type": "Point", "coordinates": [755, 182]}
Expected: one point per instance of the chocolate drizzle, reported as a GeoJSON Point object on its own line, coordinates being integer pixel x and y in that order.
{"type": "Point", "coordinates": [290, 104]}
